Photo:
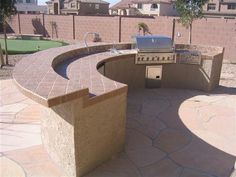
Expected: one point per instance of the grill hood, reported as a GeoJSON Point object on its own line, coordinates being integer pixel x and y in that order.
{"type": "Point", "coordinates": [154, 43]}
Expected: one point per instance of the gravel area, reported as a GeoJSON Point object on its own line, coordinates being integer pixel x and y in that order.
{"type": "Point", "coordinates": [228, 74]}
{"type": "Point", "coordinates": [6, 71]}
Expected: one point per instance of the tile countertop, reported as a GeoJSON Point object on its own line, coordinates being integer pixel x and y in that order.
{"type": "Point", "coordinates": [57, 75]}
{"type": "Point", "coordinates": [36, 77]}
{"type": "Point", "coordinates": [208, 51]}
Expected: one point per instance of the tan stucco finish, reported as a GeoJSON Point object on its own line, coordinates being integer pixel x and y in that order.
{"type": "Point", "coordinates": [81, 136]}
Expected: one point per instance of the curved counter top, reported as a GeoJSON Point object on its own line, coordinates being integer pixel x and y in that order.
{"type": "Point", "coordinates": [36, 77]}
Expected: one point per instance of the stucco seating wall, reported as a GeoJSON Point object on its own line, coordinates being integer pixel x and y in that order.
{"type": "Point", "coordinates": [85, 94]}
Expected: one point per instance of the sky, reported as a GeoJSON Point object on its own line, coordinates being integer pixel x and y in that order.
{"type": "Point", "coordinates": [42, 2]}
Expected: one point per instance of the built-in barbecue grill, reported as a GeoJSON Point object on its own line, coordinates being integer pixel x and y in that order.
{"type": "Point", "coordinates": [154, 49]}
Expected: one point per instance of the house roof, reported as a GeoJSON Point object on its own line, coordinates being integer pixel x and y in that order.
{"type": "Point", "coordinates": [150, 1]}
{"type": "Point", "coordinates": [49, 1]}
{"type": "Point", "coordinates": [228, 1]}
{"type": "Point", "coordinates": [85, 1]}
{"type": "Point", "coordinates": [94, 1]}
{"type": "Point", "coordinates": [124, 4]}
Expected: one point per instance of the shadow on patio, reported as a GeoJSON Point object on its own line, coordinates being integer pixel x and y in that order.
{"type": "Point", "coordinates": [177, 133]}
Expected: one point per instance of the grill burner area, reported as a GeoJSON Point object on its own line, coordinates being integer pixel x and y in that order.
{"type": "Point", "coordinates": [154, 50]}
{"type": "Point", "coordinates": [154, 58]}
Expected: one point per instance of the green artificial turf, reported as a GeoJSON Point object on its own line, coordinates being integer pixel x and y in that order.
{"type": "Point", "coordinates": [19, 46]}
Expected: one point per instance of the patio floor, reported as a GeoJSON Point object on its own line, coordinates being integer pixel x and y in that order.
{"type": "Point", "coordinates": [170, 133]}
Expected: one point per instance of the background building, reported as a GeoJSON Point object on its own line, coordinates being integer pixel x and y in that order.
{"type": "Point", "coordinates": [30, 7]}
{"type": "Point", "coordinates": [144, 7]}
{"type": "Point", "coordinates": [78, 7]}
{"type": "Point", "coordinates": [220, 8]}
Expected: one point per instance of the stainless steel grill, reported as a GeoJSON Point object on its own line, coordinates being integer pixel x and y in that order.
{"type": "Point", "coordinates": [189, 57]}
{"type": "Point", "coordinates": [154, 50]}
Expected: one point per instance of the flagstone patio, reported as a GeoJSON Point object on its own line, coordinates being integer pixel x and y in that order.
{"type": "Point", "coordinates": [170, 133]}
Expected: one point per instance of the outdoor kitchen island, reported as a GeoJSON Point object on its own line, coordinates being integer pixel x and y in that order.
{"type": "Point", "coordinates": [85, 100]}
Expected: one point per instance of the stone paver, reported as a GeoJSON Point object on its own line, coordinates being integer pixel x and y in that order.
{"type": "Point", "coordinates": [21, 150]}
{"type": "Point", "coordinates": [145, 156]}
{"type": "Point", "coordinates": [31, 114]}
{"type": "Point", "coordinates": [136, 140]}
{"type": "Point", "coordinates": [228, 75]}
{"type": "Point", "coordinates": [193, 173]}
{"type": "Point", "coordinates": [164, 168]}
{"type": "Point", "coordinates": [19, 136]}
{"type": "Point", "coordinates": [170, 133]}
{"type": "Point", "coordinates": [170, 140]}
{"type": "Point", "coordinates": [118, 167]}
{"type": "Point", "coordinates": [9, 168]}
{"type": "Point", "coordinates": [12, 97]}
{"type": "Point", "coordinates": [204, 157]}
{"type": "Point", "coordinates": [154, 107]}
{"type": "Point", "coordinates": [12, 108]}
{"type": "Point", "coordinates": [35, 162]}
{"type": "Point", "coordinates": [149, 126]}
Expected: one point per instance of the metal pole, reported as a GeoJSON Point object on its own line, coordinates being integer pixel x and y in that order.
{"type": "Point", "coordinates": [173, 31]}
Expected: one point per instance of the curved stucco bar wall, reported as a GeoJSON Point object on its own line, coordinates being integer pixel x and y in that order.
{"type": "Point", "coordinates": [183, 74]}
{"type": "Point", "coordinates": [85, 94]}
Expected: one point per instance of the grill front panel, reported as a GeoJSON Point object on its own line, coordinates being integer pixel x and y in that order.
{"type": "Point", "coordinates": [155, 58]}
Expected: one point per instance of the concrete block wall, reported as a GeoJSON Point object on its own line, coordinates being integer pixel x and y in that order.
{"type": "Point", "coordinates": [157, 25]}
{"type": "Point", "coordinates": [106, 26]}
{"type": "Point", "coordinates": [63, 29]}
{"type": "Point", "coordinates": [13, 22]}
{"type": "Point", "coordinates": [183, 37]}
{"type": "Point", "coordinates": [31, 24]}
{"type": "Point", "coordinates": [216, 32]}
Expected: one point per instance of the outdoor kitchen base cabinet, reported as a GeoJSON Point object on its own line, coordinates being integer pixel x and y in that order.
{"type": "Point", "coordinates": [153, 76]}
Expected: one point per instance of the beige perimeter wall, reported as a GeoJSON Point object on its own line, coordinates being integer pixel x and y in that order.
{"type": "Point", "coordinates": [207, 31]}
